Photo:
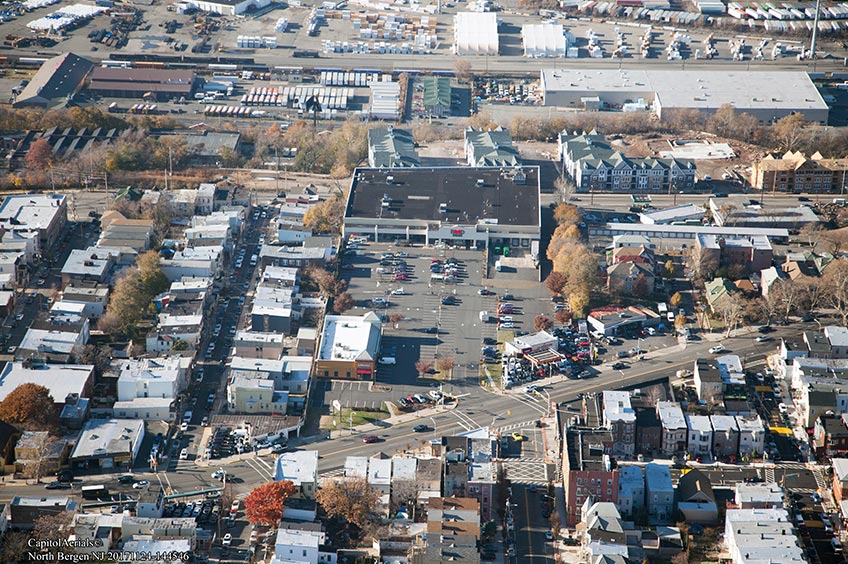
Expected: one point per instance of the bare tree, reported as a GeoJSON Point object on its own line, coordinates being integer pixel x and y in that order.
{"type": "Point", "coordinates": [404, 492]}
{"type": "Point", "coordinates": [730, 309]}
{"type": "Point", "coordinates": [784, 297]}
{"type": "Point", "coordinates": [462, 70]}
{"type": "Point", "coordinates": [702, 263]}
{"type": "Point", "coordinates": [424, 366]}
{"type": "Point", "coordinates": [835, 280]}
{"type": "Point", "coordinates": [445, 363]}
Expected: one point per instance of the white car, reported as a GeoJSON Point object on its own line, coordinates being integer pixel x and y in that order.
{"type": "Point", "coordinates": [140, 485]}
{"type": "Point", "coordinates": [184, 427]}
{"type": "Point", "coordinates": [531, 389]}
{"type": "Point", "coordinates": [436, 395]}
{"type": "Point", "coordinates": [184, 454]}
{"type": "Point", "coordinates": [378, 301]}
{"type": "Point", "coordinates": [717, 349]}
{"type": "Point", "coordinates": [235, 506]}
{"type": "Point", "coordinates": [228, 538]}
{"type": "Point", "coordinates": [398, 292]}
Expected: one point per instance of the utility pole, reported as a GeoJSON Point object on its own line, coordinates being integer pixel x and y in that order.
{"type": "Point", "coordinates": [815, 31]}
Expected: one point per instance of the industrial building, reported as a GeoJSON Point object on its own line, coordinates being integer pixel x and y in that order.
{"type": "Point", "coordinates": [389, 147]}
{"type": "Point", "coordinates": [471, 207]}
{"type": "Point", "coordinates": [546, 40]}
{"type": "Point", "coordinates": [766, 95]}
{"type": "Point", "coordinates": [475, 33]}
{"type": "Point", "coordinates": [58, 80]}
{"type": "Point", "coordinates": [162, 84]}
{"type": "Point", "coordinates": [228, 7]}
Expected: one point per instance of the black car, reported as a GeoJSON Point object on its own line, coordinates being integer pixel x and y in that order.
{"type": "Point", "coordinates": [619, 366]}
{"type": "Point", "coordinates": [421, 428]}
{"type": "Point", "coordinates": [448, 300]}
{"type": "Point", "coordinates": [490, 341]}
{"type": "Point", "coordinates": [765, 329]}
{"type": "Point", "coordinates": [57, 486]}
{"type": "Point", "coordinates": [430, 330]}
{"type": "Point", "coordinates": [127, 479]}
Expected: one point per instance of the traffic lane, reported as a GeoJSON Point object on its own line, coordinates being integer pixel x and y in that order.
{"type": "Point", "coordinates": [530, 525]}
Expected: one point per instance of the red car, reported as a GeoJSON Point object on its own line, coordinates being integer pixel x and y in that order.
{"type": "Point", "coordinates": [399, 277]}
{"type": "Point", "coordinates": [368, 439]}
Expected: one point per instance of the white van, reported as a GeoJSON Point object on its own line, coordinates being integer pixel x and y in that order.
{"type": "Point", "coordinates": [388, 360]}
{"type": "Point", "coordinates": [253, 260]}
{"type": "Point", "coordinates": [498, 265]}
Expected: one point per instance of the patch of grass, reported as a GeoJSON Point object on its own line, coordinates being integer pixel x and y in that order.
{"type": "Point", "coordinates": [505, 336]}
{"type": "Point", "coordinates": [360, 417]}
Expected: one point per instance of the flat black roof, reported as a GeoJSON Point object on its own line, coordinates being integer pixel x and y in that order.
{"type": "Point", "coordinates": [470, 194]}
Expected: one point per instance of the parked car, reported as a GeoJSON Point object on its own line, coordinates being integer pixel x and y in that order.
{"type": "Point", "coordinates": [716, 349]}
{"type": "Point", "coordinates": [420, 429]}
{"type": "Point", "coordinates": [141, 484]}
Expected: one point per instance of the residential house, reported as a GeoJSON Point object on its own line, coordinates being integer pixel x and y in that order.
{"type": "Point", "coordinates": [631, 491]}
{"type": "Point", "coordinates": [649, 431]}
{"type": "Point", "coordinates": [630, 278]}
{"type": "Point", "coordinates": [453, 509]}
{"type": "Point", "coordinates": [725, 437]}
{"type": "Point", "coordinates": [587, 469]}
{"type": "Point", "coordinates": [659, 493]}
{"type": "Point", "coordinates": [300, 468]}
{"type": "Point", "coordinates": [620, 419]}
{"type": "Point", "coordinates": [148, 387]}
{"type": "Point", "coordinates": [674, 428]}
{"type": "Point", "coordinates": [840, 479]}
{"type": "Point", "coordinates": [304, 546]}
{"type": "Point", "coordinates": [700, 442]}
{"type": "Point", "coordinates": [593, 164]}
{"type": "Point", "coordinates": [428, 478]}
{"type": "Point", "coordinates": [767, 495]}
{"type": "Point", "coordinates": [752, 434]}
{"type": "Point", "coordinates": [762, 535]}
{"type": "Point", "coordinates": [794, 172]}
{"type": "Point", "coordinates": [292, 231]}
{"type": "Point", "coordinates": [717, 293]}
{"type": "Point", "coordinates": [25, 511]}
{"type": "Point", "coordinates": [830, 435]}
{"type": "Point", "coordinates": [43, 214]}
{"type": "Point", "coordinates": [390, 147]}
{"type": "Point", "coordinates": [708, 382]}
{"type": "Point", "coordinates": [255, 344]}
{"type": "Point", "coordinates": [695, 498]}
{"type": "Point", "coordinates": [255, 396]}
{"type": "Point", "coordinates": [490, 147]}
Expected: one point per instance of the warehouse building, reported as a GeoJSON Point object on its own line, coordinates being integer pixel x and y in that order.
{"type": "Point", "coordinates": [475, 33]}
{"type": "Point", "coordinates": [389, 147]}
{"type": "Point", "coordinates": [58, 80]}
{"type": "Point", "coordinates": [766, 95]}
{"type": "Point", "coordinates": [545, 40]}
{"type": "Point", "coordinates": [228, 8]}
{"type": "Point", "coordinates": [465, 206]}
{"type": "Point", "coordinates": [162, 84]}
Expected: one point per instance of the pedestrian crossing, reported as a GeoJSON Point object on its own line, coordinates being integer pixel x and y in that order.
{"type": "Point", "coordinates": [261, 466]}
{"type": "Point", "coordinates": [821, 482]}
{"type": "Point", "coordinates": [514, 426]}
{"type": "Point", "coordinates": [769, 475]}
